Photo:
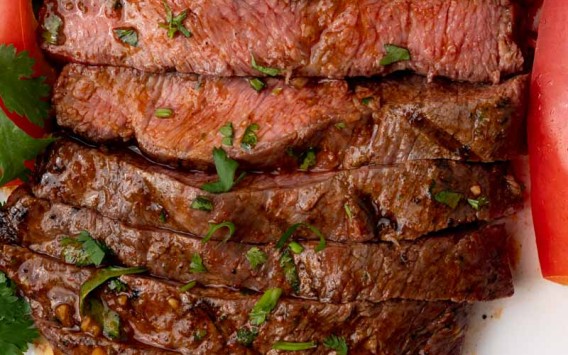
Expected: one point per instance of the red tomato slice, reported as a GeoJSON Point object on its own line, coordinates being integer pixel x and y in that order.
{"type": "Point", "coordinates": [548, 141]}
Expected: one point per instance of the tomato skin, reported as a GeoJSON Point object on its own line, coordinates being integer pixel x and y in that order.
{"type": "Point", "coordinates": [548, 141]}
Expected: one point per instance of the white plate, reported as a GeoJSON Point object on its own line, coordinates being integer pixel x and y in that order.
{"type": "Point", "coordinates": [533, 321]}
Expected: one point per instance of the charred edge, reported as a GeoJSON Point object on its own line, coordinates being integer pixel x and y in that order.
{"type": "Point", "coordinates": [8, 234]}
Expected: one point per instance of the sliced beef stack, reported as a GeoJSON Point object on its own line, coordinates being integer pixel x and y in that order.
{"type": "Point", "coordinates": [348, 213]}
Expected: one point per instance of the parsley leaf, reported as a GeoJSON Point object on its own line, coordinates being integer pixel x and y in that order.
{"type": "Point", "coordinates": [16, 325]}
{"type": "Point", "coordinates": [394, 54]}
{"type": "Point", "coordinates": [20, 92]}
{"type": "Point", "coordinates": [448, 198]}
{"type": "Point", "coordinates": [196, 266]}
{"type": "Point", "coordinates": [15, 148]}
{"type": "Point", "coordinates": [227, 132]}
{"type": "Point", "coordinates": [250, 139]}
{"type": "Point", "coordinates": [256, 257]}
{"type": "Point", "coordinates": [174, 24]}
{"type": "Point", "coordinates": [336, 343]}
{"type": "Point", "coordinates": [265, 70]}
{"type": "Point", "coordinates": [226, 168]}
{"type": "Point", "coordinates": [84, 250]}
{"type": "Point", "coordinates": [289, 346]}
{"type": "Point", "coordinates": [215, 227]}
{"type": "Point", "coordinates": [202, 203]}
{"type": "Point", "coordinates": [264, 306]}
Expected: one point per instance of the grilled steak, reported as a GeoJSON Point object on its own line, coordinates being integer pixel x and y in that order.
{"type": "Point", "coordinates": [159, 314]}
{"type": "Point", "coordinates": [69, 341]}
{"type": "Point", "coordinates": [466, 266]}
{"type": "Point", "coordinates": [393, 202]}
{"type": "Point", "coordinates": [460, 39]}
{"type": "Point", "coordinates": [375, 123]}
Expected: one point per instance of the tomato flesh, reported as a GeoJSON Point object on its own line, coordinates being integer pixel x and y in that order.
{"type": "Point", "coordinates": [548, 141]}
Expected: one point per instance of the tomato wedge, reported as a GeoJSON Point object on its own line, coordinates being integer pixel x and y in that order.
{"type": "Point", "coordinates": [548, 141]}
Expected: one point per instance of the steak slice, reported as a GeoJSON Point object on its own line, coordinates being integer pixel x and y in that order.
{"type": "Point", "coordinates": [68, 341]}
{"type": "Point", "coordinates": [375, 123]}
{"type": "Point", "coordinates": [458, 266]}
{"type": "Point", "coordinates": [389, 202]}
{"type": "Point", "coordinates": [158, 314]}
{"type": "Point", "coordinates": [462, 40]}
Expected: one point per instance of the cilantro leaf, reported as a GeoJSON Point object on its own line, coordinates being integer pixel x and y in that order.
{"type": "Point", "coordinates": [226, 168]}
{"type": "Point", "coordinates": [250, 139]}
{"type": "Point", "coordinates": [394, 54]}
{"type": "Point", "coordinates": [336, 343]}
{"type": "Point", "coordinates": [20, 92]}
{"type": "Point", "coordinates": [196, 266]}
{"type": "Point", "coordinates": [16, 326]}
{"type": "Point", "coordinates": [15, 148]}
{"type": "Point", "coordinates": [264, 306]}
{"type": "Point", "coordinates": [84, 250]}
{"type": "Point", "coordinates": [448, 198]}
{"type": "Point", "coordinates": [256, 257]}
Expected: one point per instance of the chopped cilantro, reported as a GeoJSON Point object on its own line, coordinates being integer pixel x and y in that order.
{"type": "Point", "coordinates": [293, 228]}
{"type": "Point", "coordinates": [228, 134]}
{"type": "Point", "coordinates": [366, 100]}
{"type": "Point", "coordinates": [264, 306]}
{"type": "Point", "coordinates": [348, 211]}
{"type": "Point", "coordinates": [84, 250]}
{"type": "Point", "coordinates": [296, 247]}
{"type": "Point", "coordinates": [174, 24]}
{"type": "Point", "coordinates": [163, 112]}
{"type": "Point", "coordinates": [202, 203]}
{"type": "Point", "coordinates": [250, 139]}
{"type": "Point", "coordinates": [16, 325]}
{"type": "Point", "coordinates": [196, 266]}
{"type": "Point", "coordinates": [394, 54]}
{"type": "Point", "coordinates": [127, 35]}
{"type": "Point", "coordinates": [340, 125]}
{"type": "Point", "coordinates": [117, 286]}
{"type": "Point", "coordinates": [336, 343]}
{"type": "Point", "coordinates": [246, 336]}
{"type": "Point", "coordinates": [308, 160]}
{"type": "Point", "coordinates": [478, 203]}
{"type": "Point", "coordinates": [448, 198]}
{"type": "Point", "coordinates": [289, 267]}
{"type": "Point", "coordinates": [256, 257]}
{"type": "Point", "coordinates": [188, 286]}
{"type": "Point", "coordinates": [226, 168]}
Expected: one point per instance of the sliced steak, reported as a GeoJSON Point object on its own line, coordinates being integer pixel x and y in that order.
{"type": "Point", "coordinates": [459, 39]}
{"type": "Point", "coordinates": [389, 202]}
{"type": "Point", "coordinates": [159, 314]}
{"type": "Point", "coordinates": [71, 341]}
{"type": "Point", "coordinates": [375, 123]}
{"type": "Point", "coordinates": [459, 266]}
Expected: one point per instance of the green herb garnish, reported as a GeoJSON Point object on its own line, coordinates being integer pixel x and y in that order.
{"type": "Point", "coordinates": [246, 336]}
{"type": "Point", "coordinates": [226, 168]}
{"type": "Point", "coordinates": [296, 247]}
{"type": "Point", "coordinates": [174, 24]}
{"type": "Point", "coordinates": [448, 198]}
{"type": "Point", "coordinates": [256, 84]}
{"type": "Point", "coordinates": [340, 125]}
{"type": "Point", "coordinates": [84, 250]}
{"type": "Point", "coordinates": [163, 112]}
{"type": "Point", "coordinates": [52, 25]}
{"type": "Point", "coordinates": [200, 334]}
{"type": "Point", "coordinates": [196, 266]}
{"type": "Point", "coordinates": [478, 203]}
{"type": "Point", "coordinates": [117, 286]}
{"type": "Point", "coordinates": [188, 286]}
{"type": "Point", "coordinates": [264, 306]}
{"type": "Point", "coordinates": [256, 257]}
{"type": "Point", "coordinates": [228, 134]}
{"type": "Point", "coordinates": [250, 139]}
{"type": "Point", "coordinates": [215, 227]}
{"type": "Point", "coordinates": [348, 211]}
{"type": "Point", "coordinates": [163, 216]}
{"type": "Point", "coordinates": [308, 160]}
{"type": "Point", "coordinates": [109, 319]}
{"type": "Point", "coordinates": [394, 54]}
{"type": "Point", "coordinates": [289, 346]}
{"type": "Point", "coordinates": [289, 267]}
{"type": "Point", "coordinates": [336, 343]}
{"type": "Point", "coordinates": [102, 276]}
{"type": "Point", "coordinates": [127, 35]}
{"type": "Point", "coordinates": [265, 70]}
{"type": "Point", "coordinates": [202, 203]}
{"type": "Point", "coordinates": [293, 228]}
{"type": "Point", "coordinates": [16, 325]}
